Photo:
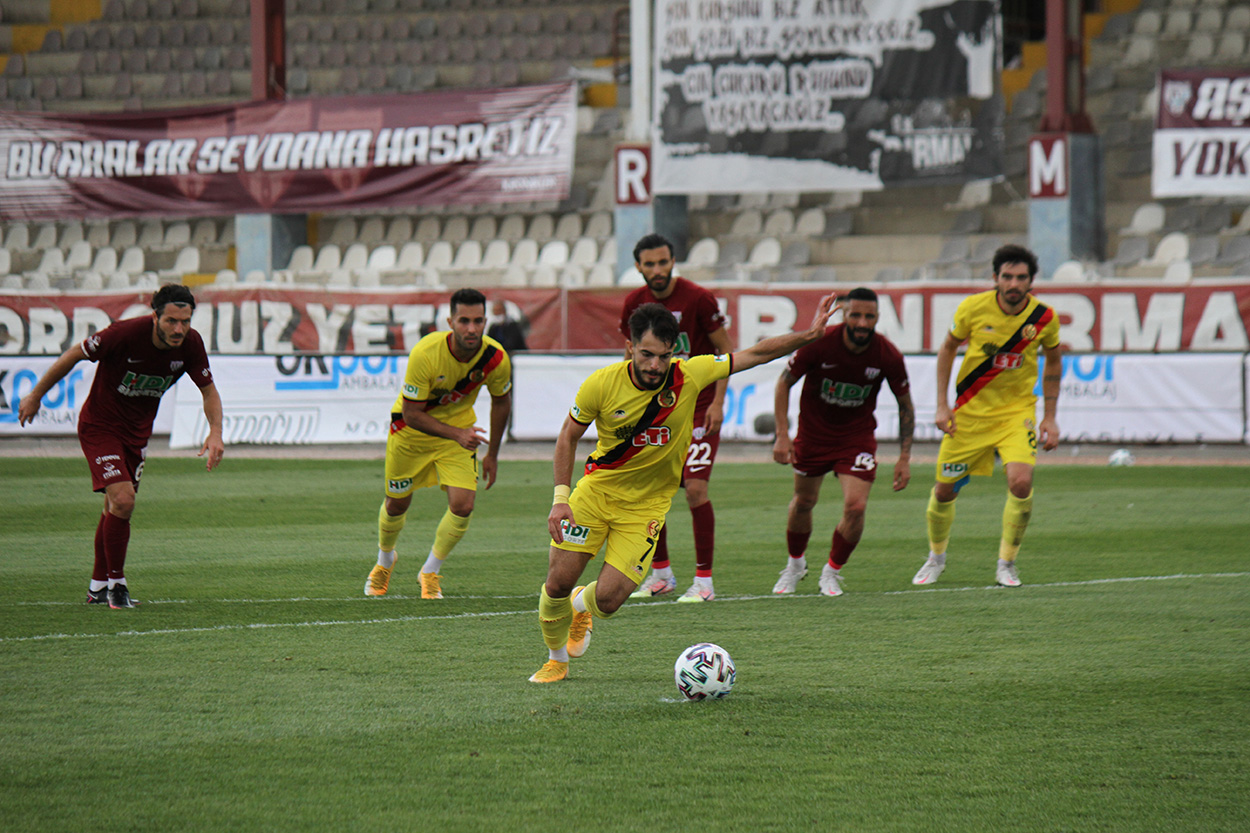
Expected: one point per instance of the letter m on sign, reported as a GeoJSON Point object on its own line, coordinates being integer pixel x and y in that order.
{"type": "Point", "coordinates": [1048, 165]}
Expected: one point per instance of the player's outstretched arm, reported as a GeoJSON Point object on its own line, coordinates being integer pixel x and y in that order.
{"type": "Point", "coordinates": [31, 402]}
{"type": "Point", "coordinates": [781, 345]}
{"type": "Point", "coordinates": [562, 474]}
{"type": "Point", "coordinates": [214, 446]}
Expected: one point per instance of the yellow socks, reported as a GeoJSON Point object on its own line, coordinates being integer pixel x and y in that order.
{"type": "Point", "coordinates": [585, 601]}
{"type": "Point", "coordinates": [939, 518]}
{"type": "Point", "coordinates": [1016, 516]}
{"type": "Point", "coordinates": [554, 616]}
{"type": "Point", "coordinates": [450, 530]}
{"type": "Point", "coordinates": [389, 527]}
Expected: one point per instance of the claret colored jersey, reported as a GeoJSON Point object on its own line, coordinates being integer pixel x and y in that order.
{"type": "Point", "coordinates": [645, 464]}
{"type": "Point", "coordinates": [450, 386]}
{"type": "Point", "coordinates": [998, 374]}
{"type": "Point", "coordinates": [840, 387]}
{"type": "Point", "coordinates": [132, 374]}
{"type": "Point", "coordinates": [697, 315]}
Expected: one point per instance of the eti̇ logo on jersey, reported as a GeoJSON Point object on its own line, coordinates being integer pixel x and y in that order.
{"type": "Point", "coordinates": [668, 399]}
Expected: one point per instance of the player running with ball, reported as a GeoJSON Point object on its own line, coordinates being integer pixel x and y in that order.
{"type": "Point", "coordinates": [642, 410]}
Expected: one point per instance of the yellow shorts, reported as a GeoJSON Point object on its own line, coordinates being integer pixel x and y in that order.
{"type": "Point", "coordinates": [629, 536]}
{"type": "Point", "coordinates": [971, 450]}
{"type": "Point", "coordinates": [415, 460]}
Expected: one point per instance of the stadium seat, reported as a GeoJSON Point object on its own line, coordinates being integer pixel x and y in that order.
{"type": "Point", "coordinates": [226, 277]}
{"type": "Point", "coordinates": [779, 223]}
{"type": "Point", "coordinates": [1178, 271]}
{"type": "Point", "coordinates": [525, 253]}
{"type": "Point", "coordinates": [399, 231]}
{"type": "Point", "coordinates": [132, 261]}
{"type": "Point", "coordinates": [439, 256]}
{"type": "Point", "coordinates": [1147, 219]}
{"type": "Point", "coordinates": [1070, 271]}
{"type": "Point", "coordinates": [568, 227]}
{"type": "Point", "coordinates": [544, 275]}
{"type": "Point", "coordinates": [796, 253]}
{"type": "Point", "coordinates": [468, 255]}
{"type": "Point", "coordinates": [542, 228]}
{"type": "Point", "coordinates": [584, 252]}
{"type": "Point", "coordinates": [1131, 251]}
{"type": "Point", "coordinates": [187, 262]}
{"type": "Point", "coordinates": [456, 229]}
{"type": "Point", "coordinates": [512, 228]}
{"type": "Point", "coordinates": [554, 253]}
{"type": "Point", "coordinates": [599, 226]}
{"type": "Point", "coordinates": [496, 255]}
{"type": "Point", "coordinates": [600, 275]}
{"type": "Point", "coordinates": [104, 261]}
{"type": "Point", "coordinates": [428, 230]}
{"type": "Point", "coordinates": [1235, 250]}
{"type": "Point", "coordinates": [747, 223]}
{"type": "Point", "coordinates": [811, 223]}
{"type": "Point", "coordinates": [372, 231]}
{"type": "Point", "coordinates": [484, 229]}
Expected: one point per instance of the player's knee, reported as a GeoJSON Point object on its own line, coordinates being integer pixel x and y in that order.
{"type": "Point", "coordinates": [607, 606]}
{"type": "Point", "coordinates": [802, 504]}
{"type": "Point", "coordinates": [462, 506]}
{"type": "Point", "coordinates": [853, 511]}
{"type": "Point", "coordinates": [122, 505]}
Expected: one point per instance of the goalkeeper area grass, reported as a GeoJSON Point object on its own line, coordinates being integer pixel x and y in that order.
{"type": "Point", "coordinates": [257, 689]}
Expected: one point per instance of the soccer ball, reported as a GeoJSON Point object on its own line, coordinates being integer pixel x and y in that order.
{"type": "Point", "coordinates": [704, 670]}
{"type": "Point", "coordinates": [1121, 457]}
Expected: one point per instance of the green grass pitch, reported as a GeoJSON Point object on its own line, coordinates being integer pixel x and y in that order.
{"type": "Point", "coordinates": [257, 689]}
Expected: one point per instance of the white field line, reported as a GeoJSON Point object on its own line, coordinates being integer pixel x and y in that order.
{"type": "Point", "coordinates": [532, 611]}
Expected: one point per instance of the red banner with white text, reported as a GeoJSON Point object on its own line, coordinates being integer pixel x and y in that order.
{"type": "Point", "coordinates": [1202, 316]}
{"type": "Point", "coordinates": [283, 157]}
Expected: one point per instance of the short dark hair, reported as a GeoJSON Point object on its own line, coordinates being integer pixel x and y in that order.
{"type": "Point", "coordinates": [652, 241]}
{"type": "Point", "coordinates": [861, 293]}
{"type": "Point", "coordinates": [466, 298]}
{"type": "Point", "coordinates": [171, 293]}
{"type": "Point", "coordinates": [656, 319]}
{"type": "Point", "coordinates": [1011, 253]}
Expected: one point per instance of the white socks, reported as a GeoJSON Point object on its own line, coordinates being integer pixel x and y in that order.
{"type": "Point", "coordinates": [386, 558]}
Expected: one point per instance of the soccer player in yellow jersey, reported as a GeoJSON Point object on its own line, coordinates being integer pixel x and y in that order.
{"type": "Point", "coordinates": [643, 412]}
{"type": "Point", "coordinates": [995, 407]}
{"type": "Point", "coordinates": [433, 440]}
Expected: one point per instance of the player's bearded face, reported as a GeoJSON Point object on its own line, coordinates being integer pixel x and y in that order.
{"type": "Point", "coordinates": [1013, 283]}
{"type": "Point", "coordinates": [172, 325]}
{"type": "Point", "coordinates": [467, 325]}
{"type": "Point", "coordinates": [861, 322]}
{"type": "Point", "coordinates": [656, 268]}
{"type": "Point", "coordinates": [650, 358]}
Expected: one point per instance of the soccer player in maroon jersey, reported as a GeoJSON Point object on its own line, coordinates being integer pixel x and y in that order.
{"type": "Point", "coordinates": [702, 332]}
{"type": "Point", "coordinates": [844, 372]}
{"type": "Point", "coordinates": [139, 359]}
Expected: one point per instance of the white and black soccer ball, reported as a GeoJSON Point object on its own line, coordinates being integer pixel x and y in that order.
{"type": "Point", "coordinates": [704, 671]}
{"type": "Point", "coordinates": [1121, 457]}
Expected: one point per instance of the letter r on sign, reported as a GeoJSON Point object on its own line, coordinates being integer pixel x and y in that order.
{"type": "Point", "coordinates": [633, 175]}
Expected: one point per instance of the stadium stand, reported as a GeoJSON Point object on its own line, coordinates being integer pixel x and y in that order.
{"type": "Point", "coordinates": [155, 54]}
